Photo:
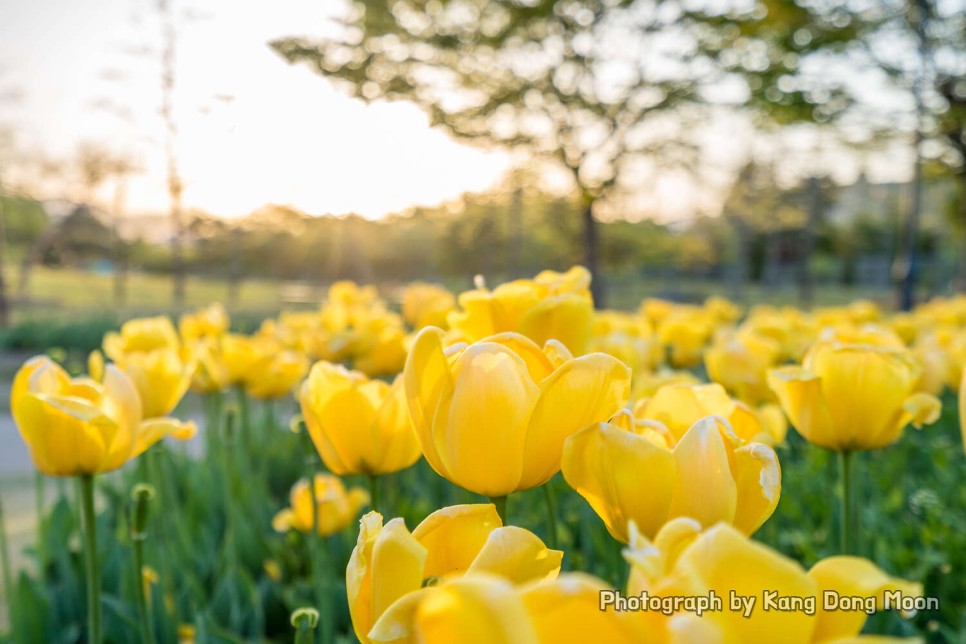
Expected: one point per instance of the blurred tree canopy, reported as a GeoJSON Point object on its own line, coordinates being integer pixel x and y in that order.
{"type": "Point", "coordinates": [584, 84]}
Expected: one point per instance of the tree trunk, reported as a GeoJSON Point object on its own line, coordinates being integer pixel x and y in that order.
{"type": "Point", "coordinates": [591, 248]}
{"type": "Point", "coordinates": [4, 305]}
{"type": "Point", "coordinates": [905, 267]}
{"type": "Point", "coordinates": [805, 283]}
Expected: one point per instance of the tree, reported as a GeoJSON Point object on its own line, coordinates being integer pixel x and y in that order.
{"type": "Point", "coordinates": [587, 86]}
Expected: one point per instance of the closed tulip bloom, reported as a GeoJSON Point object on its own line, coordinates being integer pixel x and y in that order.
{"type": "Point", "coordinates": [209, 322]}
{"type": "Point", "coordinates": [684, 334]}
{"type": "Point", "coordinates": [551, 306]}
{"type": "Point", "coordinates": [276, 375]}
{"type": "Point", "coordinates": [336, 507]}
{"type": "Point", "coordinates": [740, 361]}
{"type": "Point", "coordinates": [389, 564]}
{"type": "Point", "coordinates": [427, 305]}
{"type": "Point", "coordinates": [683, 560]}
{"type": "Point", "coordinates": [81, 426]}
{"type": "Point", "coordinates": [637, 471]}
{"type": "Point", "coordinates": [211, 373]}
{"type": "Point", "coordinates": [848, 397]}
{"type": "Point", "coordinates": [358, 425]}
{"type": "Point", "coordinates": [492, 417]}
{"type": "Point", "coordinates": [480, 609]}
{"type": "Point", "coordinates": [679, 406]}
{"type": "Point", "coordinates": [140, 335]}
{"type": "Point", "coordinates": [162, 377]}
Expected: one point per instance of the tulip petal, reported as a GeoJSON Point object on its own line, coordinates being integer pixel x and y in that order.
{"type": "Point", "coordinates": [481, 428]}
{"type": "Point", "coordinates": [722, 559]}
{"type": "Point", "coordinates": [706, 490]}
{"type": "Point", "coordinates": [471, 610]}
{"type": "Point", "coordinates": [538, 364]}
{"type": "Point", "coordinates": [622, 476]}
{"type": "Point", "coordinates": [567, 609]}
{"type": "Point", "coordinates": [855, 577]}
{"type": "Point", "coordinates": [66, 436]}
{"type": "Point", "coordinates": [921, 409]}
{"type": "Point", "coordinates": [397, 566]}
{"type": "Point", "coordinates": [427, 379]}
{"type": "Point", "coordinates": [801, 397]}
{"type": "Point", "coordinates": [581, 392]}
{"type": "Point", "coordinates": [758, 478]}
{"type": "Point", "coordinates": [567, 318]}
{"type": "Point", "coordinates": [154, 430]}
{"type": "Point", "coordinates": [453, 536]}
{"type": "Point", "coordinates": [517, 555]}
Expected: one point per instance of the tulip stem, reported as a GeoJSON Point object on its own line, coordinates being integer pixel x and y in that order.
{"type": "Point", "coordinates": [500, 503]}
{"type": "Point", "coordinates": [375, 493]}
{"type": "Point", "coordinates": [551, 516]}
{"type": "Point", "coordinates": [41, 532]}
{"type": "Point", "coordinates": [90, 556]}
{"type": "Point", "coordinates": [845, 519]}
{"type": "Point", "coordinates": [8, 593]}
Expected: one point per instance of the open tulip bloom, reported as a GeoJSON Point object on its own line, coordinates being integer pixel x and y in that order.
{"type": "Point", "coordinates": [390, 566]}
{"type": "Point", "coordinates": [637, 471]}
{"type": "Point", "coordinates": [83, 427]}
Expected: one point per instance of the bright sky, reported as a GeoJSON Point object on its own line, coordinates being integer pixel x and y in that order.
{"type": "Point", "coordinates": [287, 137]}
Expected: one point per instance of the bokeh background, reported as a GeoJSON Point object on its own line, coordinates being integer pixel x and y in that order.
{"type": "Point", "coordinates": [156, 156]}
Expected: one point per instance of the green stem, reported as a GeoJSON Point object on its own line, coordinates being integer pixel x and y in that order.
{"type": "Point", "coordinates": [500, 503]}
{"type": "Point", "coordinates": [90, 556]}
{"type": "Point", "coordinates": [321, 569]}
{"type": "Point", "coordinates": [41, 523]}
{"type": "Point", "coordinates": [551, 515]}
{"type": "Point", "coordinates": [7, 572]}
{"type": "Point", "coordinates": [303, 635]}
{"type": "Point", "coordinates": [845, 516]}
{"type": "Point", "coordinates": [375, 493]}
{"type": "Point", "coordinates": [144, 615]}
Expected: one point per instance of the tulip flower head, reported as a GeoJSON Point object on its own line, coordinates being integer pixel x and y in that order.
{"type": "Point", "coordinates": [492, 417]}
{"type": "Point", "coordinates": [849, 396]}
{"type": "Point", "coordinates": [79, 426]}
{"type": "Point", "coordinates": [335, 506]}
{"type": "Point", "coordinates": [358, 425]}
{"type": "Point", "coordinates": [683, 559]}
{"type": "Point", "coordinates": [710, 475]}
{"type": "Point", "coordinates": [389, 565]}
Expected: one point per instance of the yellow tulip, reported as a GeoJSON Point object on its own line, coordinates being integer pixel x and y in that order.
{"type": "Point", "coordinates": [679, 406]}
{"type": "Point", "coordinates": [336, 507]}
{"type": "Point", "coordinates": [358, 426]}
{"type": "Point", "coordinates": [275, 375]}
{"type": "Point", "coordinates": [740, 361]}
{"type": "Point", "coordinates": [683, 560]}
{"type": "Point", "coordinates": [477, 609]}
{"type": "Point", "coordinates": [81, 426]}
{"type": "Point", "coordinates": [209, 322]}
{"type": "Point", "coordinates": [962, 408]}
{"type": "Point", "coordinates": [709, 475]}
{"type": "Point", "coordinates": [628, 338]}
{"type": "Point", "coordinates": [427, 305]}
{"type": "Point", "coordinates": [647, 384]}
{"type": "Point", "coordinates": [141, 335]}
{"type": "Point", "coordinates": [848, 397]}
{"type": "Point", "coordinates": [722, 309]}
{"type": "Point", "coordinates": [567, 609]}
{"type": "Point", "coordinates": [241, 353]}
{"type": "Point", "coordinates": [492, 417]}
{"type": "Point", "coordinates": [162, 377]}
{"type": "Point", "coordinates": [684, 335]}
{"type": "Point", "coordinates": [211, 372]}
{"type": "Point", "coordinates": [381, 351]}
{"type": "Point", "coordinates": [389, 564]}
{"type": "Point", "coordinates": [553, 305]}
{"type": "Point", "coordinates": [149, 352]}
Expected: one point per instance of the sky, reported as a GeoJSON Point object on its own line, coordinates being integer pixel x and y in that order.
{"type": "Point", "coordinates": [285, 135]}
